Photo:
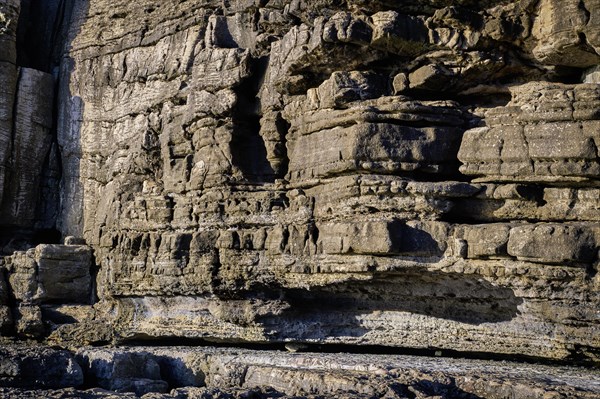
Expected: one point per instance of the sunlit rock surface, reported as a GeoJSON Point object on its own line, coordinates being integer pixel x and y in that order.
{"type": "Point", "coordinates": [404, 175]}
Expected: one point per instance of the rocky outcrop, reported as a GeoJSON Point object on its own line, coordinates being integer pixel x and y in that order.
{"type": "Point", "coordinates": [47, 274]}
{"type": "Point", "coordinates": [184, 372]}
{"type": "Point", "coordinates": [297, 178]}
{"type": "Point", "coordinates": [373, 174]}
{"type": "Point", "coordinates": [547, 133]}
{"type": "Point", "coordinates": [30, 147]}
{"type": "Point", "coordinates": [29, 170]}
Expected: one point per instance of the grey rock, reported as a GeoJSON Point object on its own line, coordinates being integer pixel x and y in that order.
{"type": "Point", "coordinates": [548, 243]}
{"type": "Point", "coordinates": [281, 374]}
{"type": "Point", "coordinates": [64, 272]}
{"type": "Point", "coordinates": [38, 367]}
{"type": "Point", "coordinates": [416, 174]}
{"type": "Point", "coordinates": [558, 39]}
{"type": "Point", "coordinates": [51, 273]}
{"type": "Point", "coordinates": [549, 137]}
{"type": "Point", "coordinates": [30, 146]}
{"type": "Point", "coordinates": [430, 77]}
{"type": "Point", "coordinates": [9, 12]}
{"type": "Point", "coordinates": [124, 372]}
{"type": "Point", "coordinates": [28, 321]}
{"type": "Point", "coordinates": [399, 34]}
{"type": "Point", "coordinates": [70, 240]}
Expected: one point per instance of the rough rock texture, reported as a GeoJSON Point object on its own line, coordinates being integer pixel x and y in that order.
{"type": "Point", "coordinates": [32, 117]}
{"type": "Point", "coordinates": [39, 368]}
{"type": "Point", "coordinates": [44, 275]}
{"type": "Point", "coordinates": [415, 174]}
{"type": "Point", "coordinates": [184, 372]}
{"type": "Point", "coordinates": [9, 12]}
{"type": "Point", "coordinates": [280, 172]}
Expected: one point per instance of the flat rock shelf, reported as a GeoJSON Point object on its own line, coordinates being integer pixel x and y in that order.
{"type": "Point", "coordinates": [210, 372]}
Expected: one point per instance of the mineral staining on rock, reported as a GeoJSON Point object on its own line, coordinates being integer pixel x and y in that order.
{"type": "Point", "coordinates": [414, 175]}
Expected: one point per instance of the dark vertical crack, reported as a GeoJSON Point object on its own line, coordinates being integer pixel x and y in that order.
{"type": "Point", "coordinates": [53, 17]}
{"type": "Point", "coordinates": [215, 280]}
{"type": "Point", "coordinates": [586, 12]}
{"type": "Point", "coordinates": [11, 302]}
{"type": "Point", "coordinates": [39, 31]}
{"type": "Point", "coordinates": [94, 271]}
{"type": "Point", "coordinates": [283, 127]}
{"type": "Point", "coordinates": [248, 150]}
{"type": "Point", "coordinates": [9, 174]}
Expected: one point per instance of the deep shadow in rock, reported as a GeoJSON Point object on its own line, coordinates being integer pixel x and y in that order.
{"type": "Point", "coordinates": [432, 388]}
{"type": "Point", "coordinates": [335, 310]}
{"type": "Point", "coordinates": [248, 150]}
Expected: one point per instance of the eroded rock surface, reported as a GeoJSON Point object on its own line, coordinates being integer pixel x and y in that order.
{"type": "Point", "coordinates": [416, 174]}
{"type": "Point", "coordinates": [204, 372]}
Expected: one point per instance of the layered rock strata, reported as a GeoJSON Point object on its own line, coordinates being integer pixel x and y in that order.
{"type": "Point", "coordinates": [366, 173]}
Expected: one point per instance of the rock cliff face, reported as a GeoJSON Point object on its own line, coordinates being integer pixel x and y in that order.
{"type": "Point", "coordinates": [415, 174]}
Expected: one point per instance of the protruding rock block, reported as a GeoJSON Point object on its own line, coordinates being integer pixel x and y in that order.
{"type": "Point", "coordinates": [388, 238]}
{"type": "Point", "coordinates": [64, 272]}
{"type": "Point", "coordinates": [430, 77]}
{"type": "Point", "coordinates": [485, 241]}
{"type": "Point", "coordinates": [372, 147]}
{"type": "Point", "coordinates": [346, 87]}
{"type": "Point", "coordinates": [360, 238]}
{"type": "Point", "coordinates": [220, 68]}
{"type": "Point", "coordinates": [553, 243]}
{"type": "Point", "coordinates": [572, 41]}
{"type": "Point", "coordinates": [398, 33]}
{"type": "Point", "coordinates": [51, 273]}
{"type": "Point", "coordinates": [346, 27]}
{"type": "Point", "coordinates": [547, 137]}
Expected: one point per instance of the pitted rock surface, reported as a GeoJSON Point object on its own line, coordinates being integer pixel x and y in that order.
{"type": "Point", "coordinates": [416, 174]}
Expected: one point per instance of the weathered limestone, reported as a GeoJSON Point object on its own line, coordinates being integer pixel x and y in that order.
{"type": "Point", "coordinates": [51, 272]}
{"type": "Point", "coordinates": [572, 41]}
{"type": "Point", "coordinates": [240, 373]}
{"type": "Point", "coordinates": [46, 274]}
{"type": "Point", "coordinates": [416, 174]}
{"type": "Point", "coordinates": [125, 372]}
{"type": "Point", "coordinates": [6, 319]}
{"type": "Point", "coordinates": [235, 166]}
{"type": "Point", "coordinates": [546, 133]}
{"type": "Point", "coordinates": [338, 375]}
{"type": "Point", "coordinates": [377, 136]}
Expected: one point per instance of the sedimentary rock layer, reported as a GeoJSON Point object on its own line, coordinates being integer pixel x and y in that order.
{"type": "Point", "coordinates": [369, 173]}
{"type": "Point", "coordinates": [184, 372]}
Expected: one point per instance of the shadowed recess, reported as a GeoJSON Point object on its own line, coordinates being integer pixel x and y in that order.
{"type": "Point", "coordinates": [333, 310]}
